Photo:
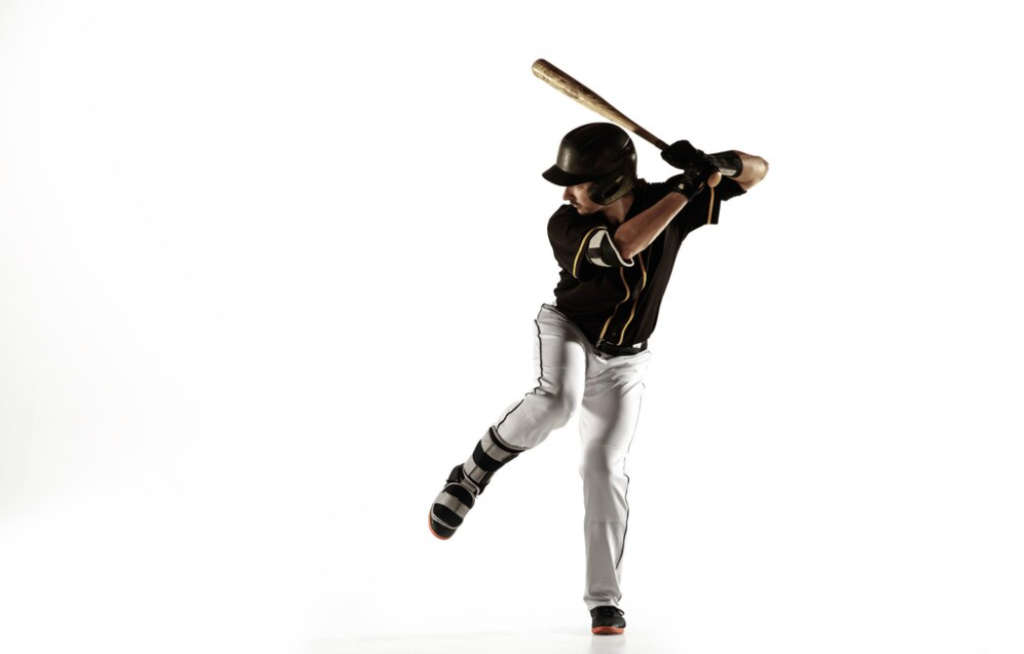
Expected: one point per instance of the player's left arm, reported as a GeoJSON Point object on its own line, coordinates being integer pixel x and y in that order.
{"type": "Point", "coordinates": [745, 169]}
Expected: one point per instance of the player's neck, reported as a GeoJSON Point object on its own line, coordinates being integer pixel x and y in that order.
{"type": "Point", "coordinates": [617, 211]}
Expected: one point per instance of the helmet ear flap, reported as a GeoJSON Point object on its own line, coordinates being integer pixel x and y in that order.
{"type": "Point", "coordinates": [614, 185]}
{"type": "Point", "coordinates": [608, 189]}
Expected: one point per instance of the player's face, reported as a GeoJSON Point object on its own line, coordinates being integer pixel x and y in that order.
{"type": "Point", "coordinates": [577, 196]}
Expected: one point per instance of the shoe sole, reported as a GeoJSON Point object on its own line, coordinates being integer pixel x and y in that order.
{"type": "Point", "coordinates": [430, 525]}
{"type": "Point", "coordinates": [607, 631]}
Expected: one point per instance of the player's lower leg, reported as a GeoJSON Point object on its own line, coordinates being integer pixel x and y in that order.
{"type": "Point", "coordinates": [467, 481]}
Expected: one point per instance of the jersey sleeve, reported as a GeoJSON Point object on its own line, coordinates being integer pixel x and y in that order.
{"type": "Point", "coordinates": [582, 245]}
{"type": "Point", "coordinates": [704, 209]}
{"type": "Point", "coordinates": [728, 189]}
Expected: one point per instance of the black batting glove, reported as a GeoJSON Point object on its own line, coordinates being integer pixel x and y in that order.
{"type": "Point", "coordinates": [692, 181]}
{"type": "Point", "coordinates": [683, 155]}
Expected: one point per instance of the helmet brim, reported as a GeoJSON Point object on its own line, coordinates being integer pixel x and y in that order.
{"type": "Point", "coordinates": [559, 177]}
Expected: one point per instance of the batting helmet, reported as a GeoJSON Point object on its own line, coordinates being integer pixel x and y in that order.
{"type": "Point", "coordinates": [601, 153]}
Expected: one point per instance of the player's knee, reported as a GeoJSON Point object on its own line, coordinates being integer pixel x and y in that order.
{"type": "Point", "coordinates": [598, 463]}
{"type": "Point", "coordinates": [604, 484]}
{"type": "Point", "coordinates": [563, 404]}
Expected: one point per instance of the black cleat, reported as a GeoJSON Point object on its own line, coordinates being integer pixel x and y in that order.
{"type": "Point", "coordinates": [452, 504]}
{"type": "Point", "coordinates": [607, 621]}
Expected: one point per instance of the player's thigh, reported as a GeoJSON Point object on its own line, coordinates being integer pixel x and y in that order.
{"type": "Point", "coordinates": [559, 358]}
{"type": "Point", "coordinates": [612, 400]}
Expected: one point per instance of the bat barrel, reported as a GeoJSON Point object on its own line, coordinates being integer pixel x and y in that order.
{"type": "Point", "coordinates": [565, 83]}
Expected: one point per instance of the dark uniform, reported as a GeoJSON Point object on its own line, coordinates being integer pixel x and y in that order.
{"type": "Point", "coordinates": [620, 305]}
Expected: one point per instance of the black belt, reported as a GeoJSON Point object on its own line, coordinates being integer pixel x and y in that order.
{"type": "Point", "coordinates": [618, 350]}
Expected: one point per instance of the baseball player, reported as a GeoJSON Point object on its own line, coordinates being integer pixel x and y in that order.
{"type": "Point", "coordinates": [616, 241]}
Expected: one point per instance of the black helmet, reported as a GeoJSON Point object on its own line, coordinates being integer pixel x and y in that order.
{"type": "Point", "coordinates": [601, 153]}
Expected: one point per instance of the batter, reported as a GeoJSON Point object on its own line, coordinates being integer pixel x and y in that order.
{"type": "Point", "coordinates": [616, 242]}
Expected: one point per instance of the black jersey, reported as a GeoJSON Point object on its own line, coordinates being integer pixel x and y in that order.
{"type": "Point", "coordinates": [620, 304]}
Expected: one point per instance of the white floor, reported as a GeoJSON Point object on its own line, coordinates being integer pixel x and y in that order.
{"type": "Point", "coordinates": [547, 641]}
{"type": "Point", "coordinates": [117, 580]}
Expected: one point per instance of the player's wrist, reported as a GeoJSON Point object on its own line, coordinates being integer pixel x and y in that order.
{"type": "Point", "coordinates": [728, 163]}
{"type": "Point", "coordinates": [691, 182]}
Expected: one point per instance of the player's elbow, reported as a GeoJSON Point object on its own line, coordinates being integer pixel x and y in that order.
{"type": "Point", "coordinates": [754, 170]}
{"type": "Point", "coordinates": [760, 169]}
{"type": "Point", "coordinates": [604, 250]}
{"type": "Point", "coordinates": [624, 247]}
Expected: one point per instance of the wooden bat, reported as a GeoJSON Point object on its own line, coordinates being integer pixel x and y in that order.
{"type": "Point", "coordinates": [565, 83]}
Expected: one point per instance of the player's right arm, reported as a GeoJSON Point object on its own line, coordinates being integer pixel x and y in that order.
{"type": "Point", "coordinates": [637, 233]}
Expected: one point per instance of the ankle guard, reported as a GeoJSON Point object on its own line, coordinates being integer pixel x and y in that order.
{"type": "Point", "coordinates": [490, 454]}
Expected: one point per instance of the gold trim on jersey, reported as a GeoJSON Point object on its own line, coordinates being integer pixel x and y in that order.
{"type": "Point", "coordinates": [635, 300]}
{"type": "Point", "coordinates": [583, 246]}
{"type": "Point", "coordinates": [622, 274]}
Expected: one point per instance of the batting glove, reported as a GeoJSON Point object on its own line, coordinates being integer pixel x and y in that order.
{"type": "Point", "coordinates": [692, 181]}
{"type": "Point", "coordinates": [683, 155]}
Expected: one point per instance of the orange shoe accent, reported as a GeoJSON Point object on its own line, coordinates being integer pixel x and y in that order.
{"type": "Point", "coordinates": [430, 525]}
{"type": "Point", "coordinates": [607, 631]}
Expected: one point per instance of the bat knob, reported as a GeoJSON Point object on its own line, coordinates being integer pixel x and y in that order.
{"type": "Point", "coordinates": [714, 179]}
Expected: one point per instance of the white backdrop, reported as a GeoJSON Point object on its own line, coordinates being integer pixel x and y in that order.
{"type": "Point", "coordinates": [269, 269]}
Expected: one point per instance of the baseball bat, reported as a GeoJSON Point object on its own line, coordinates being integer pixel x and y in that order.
{"type": "Point", "coordinates": [567, 84]}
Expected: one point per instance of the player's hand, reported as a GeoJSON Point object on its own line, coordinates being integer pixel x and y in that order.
{"type": "Point", "coordinates": [693, 180]}
{"type": "Point", "coordinates": [683, 155]}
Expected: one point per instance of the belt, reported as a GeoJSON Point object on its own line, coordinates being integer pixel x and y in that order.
{"type": "Point", "coordinates": [618, 350]}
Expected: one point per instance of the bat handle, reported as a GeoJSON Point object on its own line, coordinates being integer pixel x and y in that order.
{"type": "Point", "coordinates": [651, 138]}
{"type": "Point", "coordinates": [714, 180]}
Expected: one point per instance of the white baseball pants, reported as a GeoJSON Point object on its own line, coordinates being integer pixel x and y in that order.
{"type": "Point", "coordinates": [607, 392]}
